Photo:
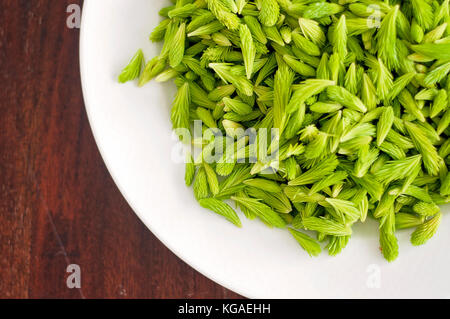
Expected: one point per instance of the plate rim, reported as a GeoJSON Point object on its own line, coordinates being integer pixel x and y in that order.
{"type": "Point", "coordinates": [221, 279]}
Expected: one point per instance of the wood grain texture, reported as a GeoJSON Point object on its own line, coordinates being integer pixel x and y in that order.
{"type": "Point", "coordinates": [58, 204]}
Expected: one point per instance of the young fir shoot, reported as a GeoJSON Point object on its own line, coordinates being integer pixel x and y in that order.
{"type": "Point", "coordinates": [361, 106]}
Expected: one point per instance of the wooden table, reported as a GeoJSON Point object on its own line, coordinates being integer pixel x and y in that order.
{"type": "Point", "coordinates": [58, 204]}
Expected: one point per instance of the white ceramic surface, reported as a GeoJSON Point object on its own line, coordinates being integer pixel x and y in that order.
{"type": "Point", "coordinates": [133, 131]}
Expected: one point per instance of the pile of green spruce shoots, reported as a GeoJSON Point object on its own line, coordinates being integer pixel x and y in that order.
{"type": "Point", "coordinates": [359, 91]}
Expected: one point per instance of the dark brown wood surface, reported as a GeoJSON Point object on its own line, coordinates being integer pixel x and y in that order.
{"type": "Point", "coordinates": [58, 204]}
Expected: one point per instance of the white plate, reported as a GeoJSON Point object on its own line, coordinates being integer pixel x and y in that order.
{"type": "Point", "coordinates": [133, 131]}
